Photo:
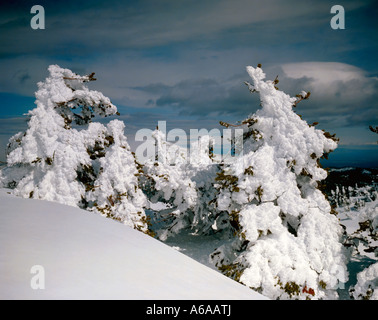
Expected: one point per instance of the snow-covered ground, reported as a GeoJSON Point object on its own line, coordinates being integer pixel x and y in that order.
{"type": "Point", "coordinates": [86, 256]}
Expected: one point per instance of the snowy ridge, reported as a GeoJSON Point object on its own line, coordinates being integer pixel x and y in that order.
{"type": "Point", "coordinates": [86, 256]}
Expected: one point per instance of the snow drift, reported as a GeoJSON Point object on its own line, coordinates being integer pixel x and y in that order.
{"type": "Point", "coordinates": [86, 256]}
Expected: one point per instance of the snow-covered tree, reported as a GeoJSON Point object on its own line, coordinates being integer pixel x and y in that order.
{"type": "Point", "coordinates": [115, 192]}
{"type": "Point", "coordinates": [287, 241]}
{"type": "Point", "coordinates": [180, 180]}
{"type": "Point", "coordinates": [55, 160]}
{"type": "Point", "coordinates": [360, 213]}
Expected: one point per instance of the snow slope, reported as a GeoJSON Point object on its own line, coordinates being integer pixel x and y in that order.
{"type": "Point", "coordinates": [86, 256]}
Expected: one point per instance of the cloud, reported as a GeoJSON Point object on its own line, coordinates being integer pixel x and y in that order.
{"type": "Point", "coordinates": [20, 75]}
{"type": "Point", "coordinates": [8, 128]}
{"type": "Point", "coordinates": [88, 27]}
{"type": "Point", "coordinates": [140, 43]}
{"type": "Point", "coordinates": [205, 97]}
{"type": "Point", "coordinates": [328, 77]}
{"type": "Point", "coordinates": [341, 94]}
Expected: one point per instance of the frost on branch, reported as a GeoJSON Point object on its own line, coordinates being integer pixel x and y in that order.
{"type": "Point", "coordinates": [52, 160]}
{"type": "Point", "coordinates": [287, 243]}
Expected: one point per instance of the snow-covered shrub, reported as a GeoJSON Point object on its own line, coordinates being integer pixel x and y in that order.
{"type": "Point", "coordinates": [287, 242]}
{"type": "Point", "coordinates": [52, 160]}
{"type": "Point", "coordinates": [349, 198]}
{"type": "Point", "coordinates": [170, 177]}
{"type": "Point", "coordinates": [353, 192]}
{"type": "Point", "coordinates": [367, 284]}
{"type": "Point", "coordinates": [360, 213]}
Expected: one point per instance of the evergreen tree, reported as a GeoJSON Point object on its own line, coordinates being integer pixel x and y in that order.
{"type": "Point", "coordinates": [287, 241]}
{"type": "Point", "coordinates": [55, 160]}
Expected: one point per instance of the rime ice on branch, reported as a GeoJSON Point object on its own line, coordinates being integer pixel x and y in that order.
{"type": "Point", "coordinates": [54, 160]}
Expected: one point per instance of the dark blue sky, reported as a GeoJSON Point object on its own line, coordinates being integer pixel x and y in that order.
{"type": "Point", "coordinates": [184, 62]}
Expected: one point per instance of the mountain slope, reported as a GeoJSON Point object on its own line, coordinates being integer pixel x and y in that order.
{"type": "Point", "coordinates": [85, 256]}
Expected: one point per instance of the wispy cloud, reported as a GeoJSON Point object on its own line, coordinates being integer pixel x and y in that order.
{"type": "Point", "coordinates": [97, 26]}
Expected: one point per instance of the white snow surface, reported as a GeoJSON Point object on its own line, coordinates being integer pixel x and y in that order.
{"type": "Point", "coordinates": [86, 256]}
